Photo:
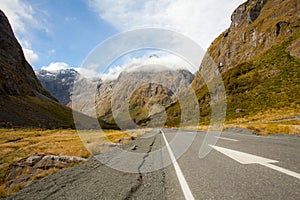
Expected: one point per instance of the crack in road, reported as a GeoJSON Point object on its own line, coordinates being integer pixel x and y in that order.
{"type": "Point", "coordinates": [140, 178]}
{"type": "Point", "coordinates": [95, 180]}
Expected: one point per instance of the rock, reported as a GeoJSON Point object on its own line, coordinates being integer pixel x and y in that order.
{"type": "Point", "coordinates": [124, 140]}
{"type": "Point", "coordinates": [24, 102]}
{"type": "Point", "coordinates": [50, 161]}
{"type": "Point", "coordinates": [109, 144]}
{"type": "Point", "coordinates": [26, 168]}
{"type": "Point", "coordinates": [244, 41]}
{"type": "Point", "coordinates": [281, 25]}
{"type": "Point", "coordinates": [294, 48]}
{"type": "Point", "coordinates": [239, 110]}
{"type": "Point", "coordinates": [133, 147]}
{"type": "Point", "coordinates": [105, 147]}
{"type": "Point", "coordinates": [59, 83]}
{"type": "Point", "coordinates": [255, 10]}
{"type": "Point", "coordinates": [249, 11]}
{"type": "Point", "coordinates": [16, 75]}
{"type": "Point", "coordinates": [141, 90]}
{"type": "Point", "coordinates": [272, 73]}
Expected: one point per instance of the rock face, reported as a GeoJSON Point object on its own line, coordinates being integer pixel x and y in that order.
{"type": "Point", "coordinates": [23, 100]}
{"type": "Point", "coordinates": [59, 83]}
{"type": "Point", "coordinates": [133, 96]}
{"type": "Point", "coordinates": [27, 168]}
{"type": "Point", "coordinates": [256, 26]}
{"type": "Point", "coordinates": [258, 57]}
{"type": "Point", "coordinates": [247, 12]}
{"type": "Point", "coordinates": [16, 75]}
{"type": "Point", "coordinates": [142, 93]}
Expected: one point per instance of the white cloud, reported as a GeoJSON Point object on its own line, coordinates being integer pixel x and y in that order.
{"type": "Point", "coordinates": [19, 13]}
{"type": "Point", "coordinates": [55, 66]}
{"type": "Point", "coordinates": [24, 21]}
{"type": "Point", "coordinates": [113, 73]}
{"type": "Point", "coordinates": [169, 61]}
{"type": "Point", "coordinates": [202, 20]}
{"type": "Point", "coordinates": [87, 73]}
{"type": "Point", "coordinates": [147, 64]}
{"type": "Point", "coordinates": [30, 56]}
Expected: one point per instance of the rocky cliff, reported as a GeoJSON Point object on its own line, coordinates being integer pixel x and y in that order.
{"type": "Point", "coordinates": [258, 57]}
{"type": "Point", "coordinates": [142, 93]}
{"type": "Point", "coordinates": [256, 26]}
{"type": "Point", "coordinates": [59, 83]}
{"type": "Point", "coordinates": [16, 75]}
{"type": "Point", "coordinates": [23, 100]}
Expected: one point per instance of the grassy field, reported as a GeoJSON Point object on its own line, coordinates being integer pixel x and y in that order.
{"type": "Point", "coordinates": [16, 144]}
{"type": "Point", "coordinates": [273, 121]}
{"type": "Point", "coordinates": [290, 127]}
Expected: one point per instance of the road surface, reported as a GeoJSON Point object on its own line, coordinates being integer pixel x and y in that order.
{"type": "Point", "coordinates": [240, 166]}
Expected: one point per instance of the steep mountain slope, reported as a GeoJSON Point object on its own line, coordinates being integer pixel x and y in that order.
{"type": "Point", "coordinates": [141, 93]}
{"type": "Point", "coordinates": [59, 83]}
{"type": "Point", "coordinates": [23, 100]}
{"type": "Point", "coordinates": [258, 57]}
{"type": "Point", "coordinates": [17, 76]}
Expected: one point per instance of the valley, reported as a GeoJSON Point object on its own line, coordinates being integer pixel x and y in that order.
{"type": "Point", "coordinates": [149, 125]}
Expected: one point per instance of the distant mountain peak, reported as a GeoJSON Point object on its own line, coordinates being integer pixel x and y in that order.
{"type": "Point", "coordinates": [59, 83]}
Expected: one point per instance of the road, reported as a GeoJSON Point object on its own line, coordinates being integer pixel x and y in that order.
{"type": "Point", "coordinates": [240, 166]}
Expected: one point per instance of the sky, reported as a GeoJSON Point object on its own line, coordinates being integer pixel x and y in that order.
{"type": "Point", "coordinates": [57, 34]}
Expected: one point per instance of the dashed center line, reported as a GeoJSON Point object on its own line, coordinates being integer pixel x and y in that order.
{"type": "Point", "coordinates": [184, 186]}
{"type": "Point", "coordinates": [224, 138]}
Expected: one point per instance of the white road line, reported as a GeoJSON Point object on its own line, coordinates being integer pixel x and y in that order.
{"type": "Point", "coordinates": [280, 169]}
{"type": "Point", "coordinates": [245, 158]}
{"type": "Point", "coordinates": [184, 186]}
{"type": "Point", "coordinates": [224, 138]}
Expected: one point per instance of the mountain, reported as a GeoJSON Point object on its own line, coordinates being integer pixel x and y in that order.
{"type": "Point", "coordinates": [59, 83]}
{"type": "Point", "coordinates": [134, 95]}
{"type": "Point", "coordinates": [23, 100]}
{"type": "Point", "coordinates": [142, 93]}
{"type": "Point", "coordinates": [259, 60]}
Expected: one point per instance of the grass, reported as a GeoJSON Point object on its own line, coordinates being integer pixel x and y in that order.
{"type": "Point", "coordinates": [289, 127]}
{"type": "Point", "coordinates": [269, 128]}
{"type": "Point", "coordinates": [34, 112]}
{"type": "Point", "coordinates": [272, 81]}
{"type": "Point", "coordinates": [16, 144]}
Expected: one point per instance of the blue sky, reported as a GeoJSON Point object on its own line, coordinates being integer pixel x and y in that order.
{"type": "Point", "coordinates": [73, 30]}
{"type": "Point", "coordinates": [63, 32]}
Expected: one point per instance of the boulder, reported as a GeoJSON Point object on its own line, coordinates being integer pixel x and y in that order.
{"type": "Point", "coordinates": [26, 168]}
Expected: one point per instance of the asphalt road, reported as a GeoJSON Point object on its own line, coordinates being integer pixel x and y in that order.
{"type": "Point", "coordinates": [240, 166]}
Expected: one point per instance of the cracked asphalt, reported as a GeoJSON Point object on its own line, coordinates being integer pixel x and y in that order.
{"type": "Point", "coordinates": [214, 177]}
{"type": "Point", "coordinates": [94, 180]}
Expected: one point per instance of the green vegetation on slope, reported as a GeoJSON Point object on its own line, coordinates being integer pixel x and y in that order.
{"type": "Point", "coordinates": [30, 111]}
{"type": "Point", "coordinates": [270, 81]}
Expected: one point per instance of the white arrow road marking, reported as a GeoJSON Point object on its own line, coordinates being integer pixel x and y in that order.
{"type": "Point", "coordinates": [184, 186]}
{"type": "Point", "coordinates": [224, 138]}
{"type": "Point", "coordinates": [245, 158]}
